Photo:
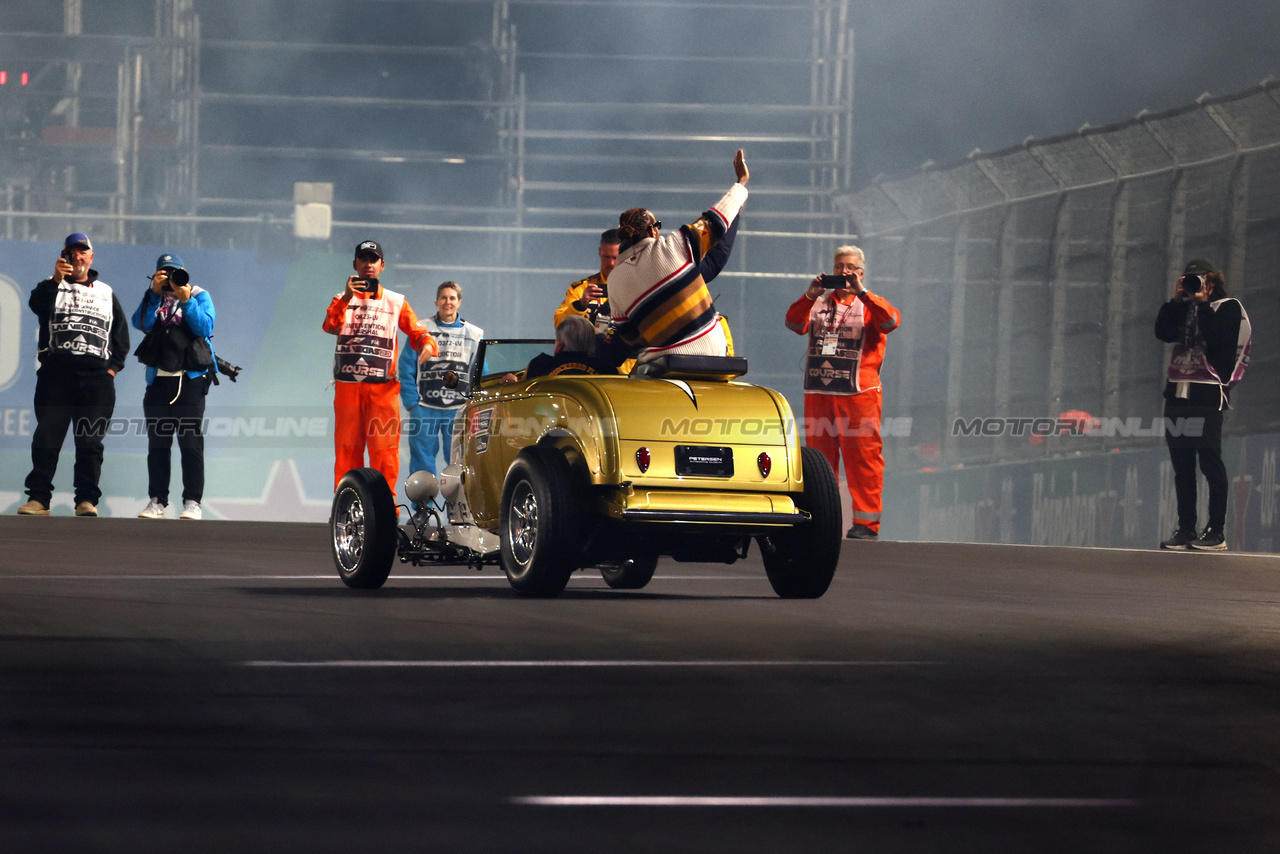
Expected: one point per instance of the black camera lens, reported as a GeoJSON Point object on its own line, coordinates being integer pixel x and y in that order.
{"type": "Point", "coordinates": [179, 277]}
{"type": "Point", "coordinates": [369, 285]}
{"type": "Point", "coordinates": [1191, 283]}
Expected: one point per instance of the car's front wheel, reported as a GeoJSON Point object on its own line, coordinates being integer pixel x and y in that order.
{"type": "Point", "coordinates": [801, 562]}
{"type": "Point", "coordinates": [537, 523]}
{"type": "Point", "coordinates": [362, 522]}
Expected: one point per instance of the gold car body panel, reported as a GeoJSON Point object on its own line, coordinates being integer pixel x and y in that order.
{"type": "Point", "coordinates": [602, 422]}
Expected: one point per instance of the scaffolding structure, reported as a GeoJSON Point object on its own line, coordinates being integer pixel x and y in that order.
{"type": "Point", "coordinates": [1029, 278]}
{"type": "Point", "coordinates": [499, 163]}
{"type": "Point", "coordinates": [107, 127]}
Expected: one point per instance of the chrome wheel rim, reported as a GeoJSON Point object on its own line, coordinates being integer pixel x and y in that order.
{"type": "Point", "coordinates": [348, 529]}
{"type": "Point", "coordinates": [522, 524]}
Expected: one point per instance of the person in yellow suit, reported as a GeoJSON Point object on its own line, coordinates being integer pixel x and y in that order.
{"type": "Point", "coordinates": [588, 297]}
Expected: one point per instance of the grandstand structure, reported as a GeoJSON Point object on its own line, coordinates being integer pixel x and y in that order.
{"type": "Point", "coordinates": [1029, 278]}
{"type": "Point", "coordinates": [488, 141]}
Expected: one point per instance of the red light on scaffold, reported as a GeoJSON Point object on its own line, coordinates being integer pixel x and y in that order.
{"type": "Point", "coordinates": [25, 77]}
{"type": "Point", "coordinates": [4, 77]}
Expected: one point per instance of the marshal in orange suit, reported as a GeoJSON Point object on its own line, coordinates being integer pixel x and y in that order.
{"type": "Point", "coordinates": [367, 318]}
{"type": "Point", "coordinates": [847, 328]}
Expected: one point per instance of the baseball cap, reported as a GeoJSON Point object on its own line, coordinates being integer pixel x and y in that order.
{"type": "Point", "coordinates": [169, 261]}
{"type": "Point", "coordinates": [1198, 267]}
{"type": "Point", "coordinates": [369, 246]}
{"type": "Point", "coordinates": [77, 241]}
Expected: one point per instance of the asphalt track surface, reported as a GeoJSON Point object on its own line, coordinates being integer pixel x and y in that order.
{"type": "Point", "coordinates": [189, 687]}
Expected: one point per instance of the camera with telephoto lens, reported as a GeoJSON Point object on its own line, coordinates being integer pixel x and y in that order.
{"type": "Point", "coordinates": [1191, 284]}
{"type": "Point", "coordinates": [178, 278]}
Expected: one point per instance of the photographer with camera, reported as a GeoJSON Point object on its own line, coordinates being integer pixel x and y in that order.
{"type": "Point", "coordinates": [847, 326]}
{"type": "Point", "coordinates": [177, 318]}
{"type": "Point", "coordinates": [82, 344]}
{"type": "Point", "coordinates": [366, 402]}
{"type": "Point", "coordinates": [1211, 334]}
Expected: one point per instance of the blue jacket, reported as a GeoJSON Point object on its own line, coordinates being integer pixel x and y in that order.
{"type": "Point", "coordinates": [459, 342]}
{"type": "Point", "coordinates": [197, 315]}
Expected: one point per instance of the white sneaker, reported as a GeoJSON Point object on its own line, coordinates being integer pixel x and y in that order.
{"type": "Point", "coordinates": [153, 510]}
{"type": "Point", "coordinates": [191, 510]}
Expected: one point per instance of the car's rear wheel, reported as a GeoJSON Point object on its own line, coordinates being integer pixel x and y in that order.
{"type": "Point", "coordinates": [630, 574]}
{"type": "Point", "coordinates": [537, 523]}
{"type": "Point", "coordinates": [362, 522]}
{"type": "Point", "coordinates": [801, 562]}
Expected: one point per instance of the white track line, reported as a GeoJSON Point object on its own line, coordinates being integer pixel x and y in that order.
{"type": "Point", "coordinates": [333, 576]}
{"type": "Point", "coordinates": [329, 576]}
{"type": "Point", "coordinates": [839, 802]}
{"type": "Point", "coordinates": [168, 577]}
{"type": "Point", "coordinates": [584, 663]}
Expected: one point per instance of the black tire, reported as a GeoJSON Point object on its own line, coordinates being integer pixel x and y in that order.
{"type": "Point", "coordinates": [801, 562]}
{"type": "Point", "coordinates": [538, 522]}
{"type": "Point", "coordinates": [630, 574]}
{"type": "Point", "coordinates": [362, 527]}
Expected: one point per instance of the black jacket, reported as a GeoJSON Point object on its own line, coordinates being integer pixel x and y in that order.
{"type": "Point", "coordinates": [565, 362]}
{"type": "Point", "coordinates": [1221, 331]}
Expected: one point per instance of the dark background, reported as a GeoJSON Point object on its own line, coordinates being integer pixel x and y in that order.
{"type": "Point", "coordinates": [934, 79]}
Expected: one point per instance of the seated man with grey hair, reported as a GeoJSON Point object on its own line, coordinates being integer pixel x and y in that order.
{"type": "Point", "coordinates": [575, 353]}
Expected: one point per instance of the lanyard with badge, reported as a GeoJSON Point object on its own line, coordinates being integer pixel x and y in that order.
{"type": "Point", "coordinates": [829, 342]}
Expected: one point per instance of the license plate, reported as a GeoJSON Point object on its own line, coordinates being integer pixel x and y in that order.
{"type": "Point", "coordinates": [702, 461]}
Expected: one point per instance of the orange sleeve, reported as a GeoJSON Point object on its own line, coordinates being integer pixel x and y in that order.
{"type": "Point", "coordinates": [333, 315]}
{"type": "Point", "coordinates": [419, 337]}
{"type": "Point", "coordinates": [798, 315]}
{"type": "Point", "coordinates": [881, 312]}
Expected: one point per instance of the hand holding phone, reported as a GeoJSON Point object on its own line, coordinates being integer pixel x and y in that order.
{"type": "Point", "coordinates": [62, 267]}
{"type": "Point", "coordinates": [357, 285]}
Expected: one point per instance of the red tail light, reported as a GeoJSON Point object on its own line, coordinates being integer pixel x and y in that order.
{"type": "Point", "coordinates": [642, 459]}
{"type": "Point", "coordinates": [765, 463]}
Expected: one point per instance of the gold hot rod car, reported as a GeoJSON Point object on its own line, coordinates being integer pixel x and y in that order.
{"type": "Point", "coordinates": [550, 475]}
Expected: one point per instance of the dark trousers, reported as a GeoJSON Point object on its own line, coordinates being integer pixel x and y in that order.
{"type": "Point", "coordinates": [174, 407]}
{"type": "Point", "coordinates": [64, 399]}
{"type": "Point", "coordinates": [1183, 453]}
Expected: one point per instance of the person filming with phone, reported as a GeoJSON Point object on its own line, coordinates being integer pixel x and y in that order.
{"type": "Point", "coordinates": [82, 345]}
{"type": "Point", "coordinates": [847, 327]}
{"type": "Point", "coordinates": [367, 319]}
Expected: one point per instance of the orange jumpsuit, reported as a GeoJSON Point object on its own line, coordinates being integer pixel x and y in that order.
{"type": "Point", "coordinates": [366, 402]}
{"type": "Point", "coordinates": [842, 389]}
